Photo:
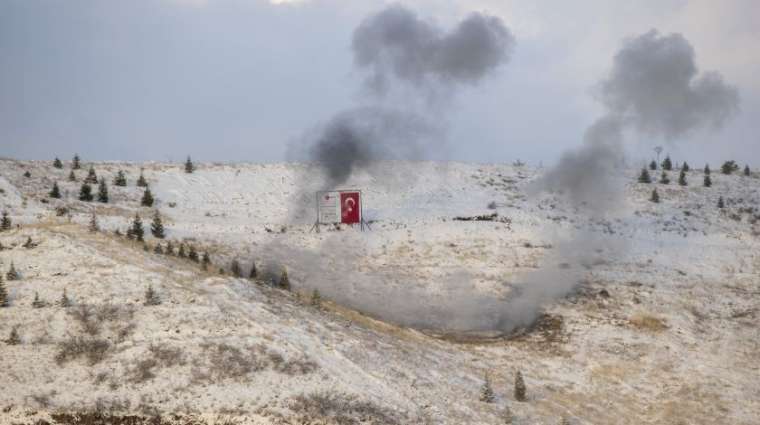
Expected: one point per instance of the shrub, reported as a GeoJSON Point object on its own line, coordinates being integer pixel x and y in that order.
{"type": "Point", "coordinates": [93, 227]}
{"type": "Point", "coordinates": [4, 299]}
{"type": "Point", "coordinates": [151, 297]}
{"type": "Point", "coordinates": [13, 338]}
{"type": "Point", "coordinates": [92, 349]}
{"type": "Point", "coordinates": [57, 163]}
{"type": "Point", "coordinates": [5, 222]}
{"type": "Point", "coordinates": [141, 182]}
{"type": "Point", "coordinates": [147, 198]}
{"type": "Point", "coordinates": [664, 178]}
{"type": "Point", "coordinates": [667, 164]}
{"type": "Point", "coordinates": [653, 165]}
{"type": "Point", "coordinates": [644, 177]}
{"type": "Point", "coordinates": [158, 249]}
{"type": "Point", "coordinates": [55, 192]}
{"type": "Point", "coordinates": [91, 176]}
{"type": "Point", "coordinates": [729, 167]}
{"type": "Point", "coordinates": [486, 391]}
{"type": "Point", "coordinates": [682, 178]}
{"type": "Point", "coordinates": [103, 192]}
{"type": "Point", "coordinates": [27, 174]}
{"type": "Point", "coordinates": [120, 179]}
{"type": "Point", "coordinates": [37, 303]}
{"type": "Point", "coordinates": [206, 261]}
{"type": "Point", "coordinates": [157, 226]}
{"type": "Point", "coordinates": [75, 164]}
{"type": "Point", "coordinates": [189, 167]}
{"type": "Point", "coordinates": [12, 273]}
{"type": "Point", "coordinates": [72, 176]}
{"type": "Point", "coordinates": [284, 280]}
{"type": "Point", "coordinates": [65, 301]}
{"type": "Point", "coordinates": [708, 181]}
{"type": "Point", "coordinates": [326, 407]}
{"type": "Point", "coordinates": [181, 251]}
{"type": "Point", "coordinates": [192, 254]}
{"type": "Point", "coordinates": [137, 231]}
{"type": "Point", "coordinates": [85, 193]}
{"type": "Point", "coordinates": [520, 390]}
{"type": "Point", "coordinates": [316, 298]}
{"type": "Point", "coordinates": [655, 197]}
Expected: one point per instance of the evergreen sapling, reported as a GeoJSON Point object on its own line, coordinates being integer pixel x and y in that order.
{"type": "Point", "coordinates": [103, 192]}
{"type": "Point", "coordinates": [57, 163]}
{"type": "Point", "coordinates": [157, 226]}
{"type": "Point", "coordinates": [85, 193]}
{"type": "Point", "coordinates": [55, 192]}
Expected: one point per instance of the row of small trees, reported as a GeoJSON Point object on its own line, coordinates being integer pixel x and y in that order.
{"type": "Point", "coordinates": [76, 165]}
{"type": "Point", "coordinates": [728, 167]}
{"type": "Point", "coordinates": [86, 195]}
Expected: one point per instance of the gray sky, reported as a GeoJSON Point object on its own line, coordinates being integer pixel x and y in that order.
{"type": "Point", "coordinates": [239, 80]}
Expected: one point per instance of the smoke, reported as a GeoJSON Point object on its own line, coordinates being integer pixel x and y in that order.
{"type": "Point", "coordinates": [401, 53]}
{"type": "Point", "coordinates": [654, 89]}
{"type": "Point", "coordinates": [354, 139]}
{"type": "Point", "coordinates": [395, 45]}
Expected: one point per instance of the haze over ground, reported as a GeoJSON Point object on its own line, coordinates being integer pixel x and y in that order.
{"type": "Point", "coordinates": [239, 80]}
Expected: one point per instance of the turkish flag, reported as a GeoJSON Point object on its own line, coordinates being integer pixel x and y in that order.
{"type": "Point", "coordinates": [350, 207]}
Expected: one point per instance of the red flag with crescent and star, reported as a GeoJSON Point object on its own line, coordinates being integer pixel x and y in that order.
{"type": "Point", "coordinates": [350, 208]}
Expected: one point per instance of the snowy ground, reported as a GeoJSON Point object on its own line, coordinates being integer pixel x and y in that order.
{"type": "Point", "coordinates": [676, 340]}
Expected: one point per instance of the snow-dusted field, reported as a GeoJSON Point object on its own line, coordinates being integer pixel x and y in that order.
{"type": "Point", "coordinates": [664, 329]}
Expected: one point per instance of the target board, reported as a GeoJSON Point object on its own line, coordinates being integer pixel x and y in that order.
{"type": "Point", "coordinates": [339, 206]}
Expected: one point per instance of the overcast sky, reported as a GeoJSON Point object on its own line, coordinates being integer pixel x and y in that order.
{"type": "Point", "coordinates": [239, 80]}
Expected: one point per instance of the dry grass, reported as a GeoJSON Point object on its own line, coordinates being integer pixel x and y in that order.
{"type": "Point", "coordinates": [648, 322]}
{"type": "Point", "coordinates": [331, 408]}
{"type": "Point", "coordinates": [94, 350]}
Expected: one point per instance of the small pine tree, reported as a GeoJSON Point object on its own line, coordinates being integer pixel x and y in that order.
{"type": "Point", "coordinates": [147, 198]}
{"type": "Point", "coordinates": [57, 163]}
{"type": "Point", "coordinates": [729, 167]}
{"type": "Point", "coordinates": [93, 227]}
{"type": "Point", "coordinates": [520, 390]}
{"type": "Point", "coordinates": [655, 197]}
{"type": "Point", "coordinates": [120, 179]}
{"type": "Point", "coordinates": [27, 174]}
{"type": "Point", "coordinates": [141, 182]}
{"type": "Point", "coordinates": [75, 163]}
{"type": "Point", "coordinates": [137, 230]}
{"type": "Point", "coordinates": [653, 165]}
{"type": "Point", "coordinates": [206, 261]}
{"type": "Point", "coordinates": [685, 167]}
{"type": "Point", "coordinates": [12, 273]}
{"type": "Point", "coordinates": [707, 181]}
{"type": "Point", "coordinates": [507, 417]}
{"type": "Point", "coordinates": [157, 226]}
{"type": "Point", "coordinates": [682, 178]}
{"type": "Point", "coordinates": [158, 249]}
{"type": "Point", "coordinates": [192, 254]}
{"type": "Point", "coordinates": [103, 192]}
{"type": "Point", "coordinates": [235, 269]}
{"type": "Point", "coordinates": [747, 171]}
{"type": "Point", "coordinates": [72, 176]}
{"type": "Point", "coordinates": [316, 298]}
{"type": "Point", "coordinates": [55, 192]}
{"type": "Point", "coordinates": [65, 301]}
{"type": "Point", "coordinates": [151, 297]}
{"type": "Point", "coordinates": [284, 280]}
{"type": "Point", "coordinates": [254, 272]}
{"type": "Point", "coordinates": [14, 338]}
{"type": "Point", "coordinates": [91, 176]}
{"type": "Point", "coordinates": [221, 271]}
{"type": "Point", "coordinates": [667, 164]}
{"type": "Point", "coordinates": [37, 303]}
{"type": "Point", "coordinates": [85, 193]}
{"type": "Point", "coordinates": [189, 167]}
{"type": "Point", "coordinates": [5, 222]}
{"type": "Point", "coordinates": [4, 300]}
{"type": "Point", "coordinates": [721, 204]}
{"type": "Point", "coordinates": [29, 244]}
{"type": "Point", "coordinates": [644, 177]}
{"type": "Point", "coordinates": [664, 179]}
{"type": "Point", "coordinates": [707, 169]}
{"type": "Point", "coordinates": [169, 248]}
{"type": "Point", "coordinates": [181, 252]}
{"type": "Point", "coordinates": [486, 391]}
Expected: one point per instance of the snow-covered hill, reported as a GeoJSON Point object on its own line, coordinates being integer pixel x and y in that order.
{"type": "Point", "coordinates": [662, 331]}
